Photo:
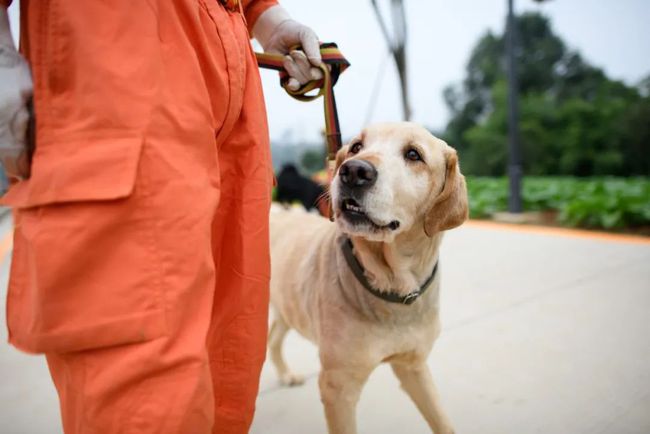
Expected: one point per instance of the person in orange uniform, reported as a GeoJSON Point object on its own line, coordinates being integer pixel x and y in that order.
{"type": "Point", "coordinates": [141, 258]}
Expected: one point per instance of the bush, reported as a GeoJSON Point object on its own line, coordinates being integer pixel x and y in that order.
{"type": "Point", "coordinates": [590, 202]}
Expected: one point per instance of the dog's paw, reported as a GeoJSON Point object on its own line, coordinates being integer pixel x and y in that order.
{"type": "Point", "coordinates": [290, 379]}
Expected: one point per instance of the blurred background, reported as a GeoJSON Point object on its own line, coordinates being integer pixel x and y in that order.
{"type": "Point", "coordinates": [583, 72]}
{"type": "Point", "coordinates": [581, 130]}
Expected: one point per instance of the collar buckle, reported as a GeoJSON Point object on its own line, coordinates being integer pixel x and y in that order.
{"type": "Point", "coordinates": [410, 298]}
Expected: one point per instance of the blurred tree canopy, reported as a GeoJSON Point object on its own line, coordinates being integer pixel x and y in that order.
{"type": "Point", "coordinates": [574, 119]}
{"type": "Point", "coordinates": [313, 160]}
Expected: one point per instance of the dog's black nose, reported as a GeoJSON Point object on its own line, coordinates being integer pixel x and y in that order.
{"type": "Point", "coordinates": [358, 174]}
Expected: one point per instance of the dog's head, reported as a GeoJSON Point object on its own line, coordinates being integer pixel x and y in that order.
{"type": "Point", "coordinates": [396, 178]}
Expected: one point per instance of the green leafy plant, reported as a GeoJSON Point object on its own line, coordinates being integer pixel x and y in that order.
{"type": "Point", "coordinates": [605, 202]}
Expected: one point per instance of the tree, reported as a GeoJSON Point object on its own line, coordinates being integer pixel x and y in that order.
{"type": "Point", "coordinates": [313, 160]}
{"type": "Point", "coordinates": [574, 120]}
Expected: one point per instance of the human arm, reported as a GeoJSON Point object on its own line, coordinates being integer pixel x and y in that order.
{"type": "Point", "coordinates": [15, 92]}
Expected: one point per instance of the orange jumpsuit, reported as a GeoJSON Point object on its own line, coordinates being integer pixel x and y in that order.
{"type": "Point", "coordinates": [141, 258]}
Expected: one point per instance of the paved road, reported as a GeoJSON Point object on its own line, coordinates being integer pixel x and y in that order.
{"type": "Point", "coordinates": [544, 332]}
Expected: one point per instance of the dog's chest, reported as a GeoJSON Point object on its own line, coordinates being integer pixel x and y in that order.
{"type": "Point", "coordinates": [396, 339]}
{"type": "Point", "coordinates": [379, 338]}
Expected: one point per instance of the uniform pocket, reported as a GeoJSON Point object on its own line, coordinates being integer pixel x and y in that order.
{"type": "Point", "coordinates": [85, 272]}
{"type": "Point", "coordinates": [76, 172]}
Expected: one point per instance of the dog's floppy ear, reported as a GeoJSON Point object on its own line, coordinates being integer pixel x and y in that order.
{"type": "Point", "coordinates": [449, 208]}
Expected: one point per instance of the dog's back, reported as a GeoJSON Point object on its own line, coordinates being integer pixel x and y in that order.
{"type": "Point", "coordinates": [292, 227]}
{"type": "Point", "coordinates": [299, 242]}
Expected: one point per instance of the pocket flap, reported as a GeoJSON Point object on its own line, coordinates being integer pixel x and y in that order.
{"type": "Point", "coordinates": [78, 171]}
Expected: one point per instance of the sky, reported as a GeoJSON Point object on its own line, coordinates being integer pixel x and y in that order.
{"type": "Point", "coordinates": [611, 34]}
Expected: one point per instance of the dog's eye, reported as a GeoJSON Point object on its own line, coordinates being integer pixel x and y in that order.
{"type": "Point", "coordinates": [412, 155]}
{"type": "Point", "coordinates": [354, 149]}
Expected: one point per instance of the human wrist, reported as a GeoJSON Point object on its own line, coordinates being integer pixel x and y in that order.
{"type": "Point", "coordinates": [6, 40]}
{"type": "Point", "coordinates": [5, 31]}
{"type": "Point", "coordinates": [268, 22]}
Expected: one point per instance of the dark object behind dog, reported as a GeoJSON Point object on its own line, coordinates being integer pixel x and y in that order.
{"type": "Point", "coordinates": [292, 187]}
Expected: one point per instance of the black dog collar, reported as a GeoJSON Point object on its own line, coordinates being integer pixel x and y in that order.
{"type": "Point", "coordinates": [391, 297]}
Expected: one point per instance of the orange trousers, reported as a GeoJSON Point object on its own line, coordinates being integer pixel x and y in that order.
{"type": "Point", "coordinates": [141, 257]}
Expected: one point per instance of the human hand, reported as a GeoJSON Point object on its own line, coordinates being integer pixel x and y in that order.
{"type": "Point", "coordinates": [277, 33]}
{"type": "Point", "coordinates": [15, 92]}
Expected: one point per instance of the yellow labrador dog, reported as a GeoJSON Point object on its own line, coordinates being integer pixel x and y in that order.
{"type": "Point", "coordinates": [365, 289]}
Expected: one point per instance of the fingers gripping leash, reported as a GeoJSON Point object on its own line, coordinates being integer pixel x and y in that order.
{"type": "Point", "coordinates": [333, 65]}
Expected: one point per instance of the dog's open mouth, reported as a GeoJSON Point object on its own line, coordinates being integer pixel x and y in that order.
{"type": "Point", "coordinates": [356, 215]}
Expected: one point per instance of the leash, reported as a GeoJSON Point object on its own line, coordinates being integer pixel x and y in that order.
{"type": "Point", "coordinates": [332, 67]}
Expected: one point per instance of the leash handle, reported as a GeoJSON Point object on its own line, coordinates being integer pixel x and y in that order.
{"type": "Point", "coordinates": [333, 64]}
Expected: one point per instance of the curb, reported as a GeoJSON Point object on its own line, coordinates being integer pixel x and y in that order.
{"type": "Point", "coordinates": [560, 231]}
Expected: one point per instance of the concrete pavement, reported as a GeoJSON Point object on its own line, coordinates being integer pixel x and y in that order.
{"type": "Point", "coordinates": [545, 331]}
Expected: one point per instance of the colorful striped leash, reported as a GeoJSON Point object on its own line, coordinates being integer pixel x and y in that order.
{"type": "Point", "coordinates": [333, 65]}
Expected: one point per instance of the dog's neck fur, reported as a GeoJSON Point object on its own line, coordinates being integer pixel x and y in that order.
{"type": "Point", "coordinates": [400, 266]}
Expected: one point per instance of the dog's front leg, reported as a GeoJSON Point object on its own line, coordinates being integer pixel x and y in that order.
{"type": "Point", "coordinates": [417, 382]}
{"type": "Point", "coordinates": [340, 389]}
